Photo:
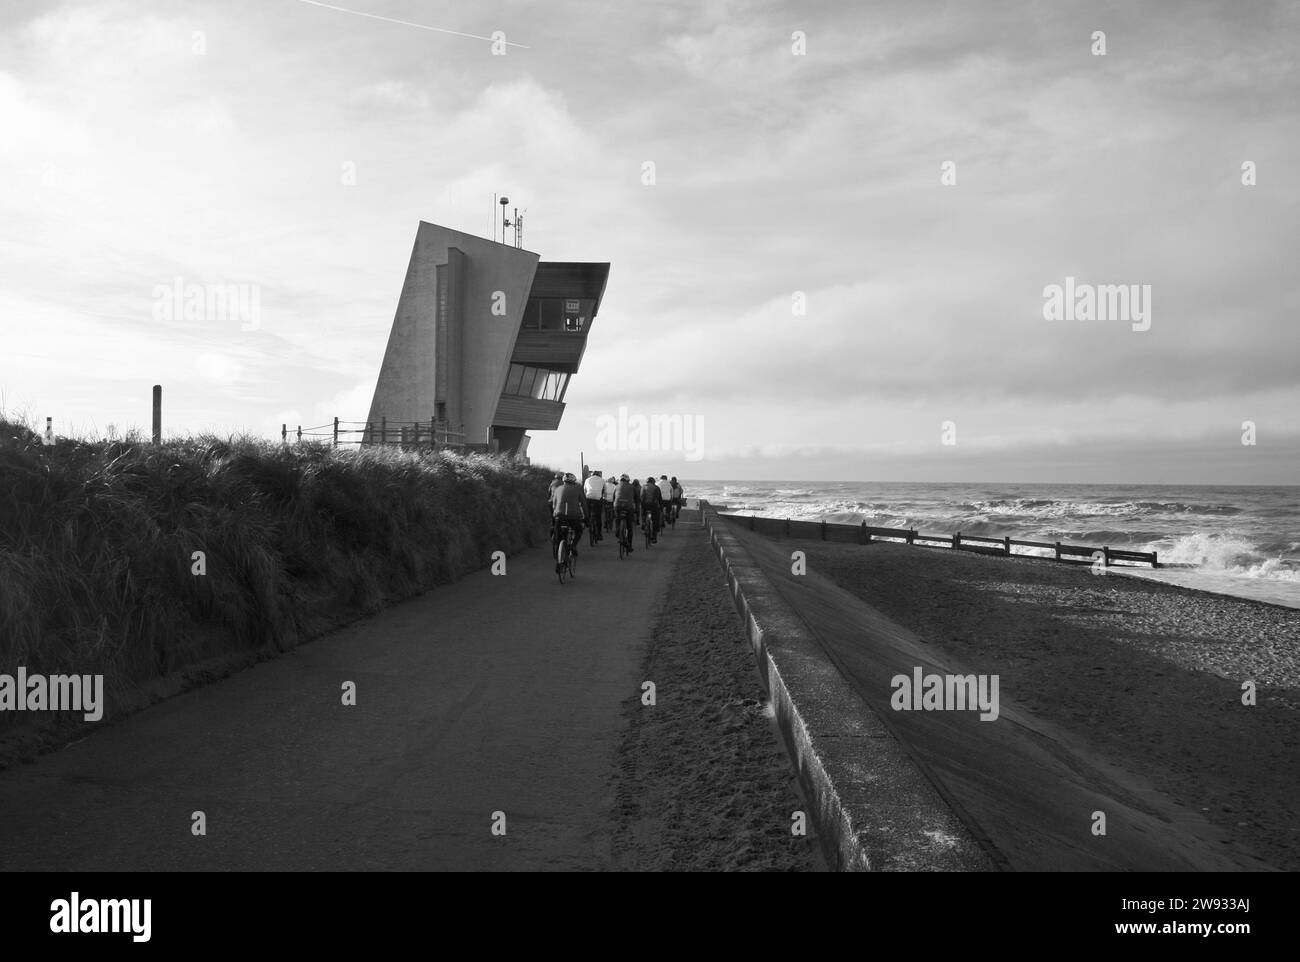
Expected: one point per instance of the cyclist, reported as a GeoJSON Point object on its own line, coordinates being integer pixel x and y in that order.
{"type": "Point", "coordinates": [594, 490]}
{"type": "Point", "coordinates": [679, 495]}
{"type": "Point", "coordinates": [607, 509]}
{"type": "Point", "coordinates": [624, 509]}
{"type": "Point", "coordinates": [568, 509]}
{"type": "Point", "coordinates": [666, 496]}
{"type": "Point", "coordinates": [636, 495]}
{"type": "Point", "coordinates": [555, 483]}
{"type": "Point", "coordinates": [651, 502]}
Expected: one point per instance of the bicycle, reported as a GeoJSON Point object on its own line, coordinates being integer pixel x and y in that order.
{"type": "Point", "coordinates": [670, 515]}
{"type": "Point", "coordinates": [624, 536]}
{"type": "Point", "coordinates": [648, 526]}
{"type": "Point", "coordinates": [565, 561]}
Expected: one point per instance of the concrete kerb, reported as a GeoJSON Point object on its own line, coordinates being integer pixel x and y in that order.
{"type": "Point", "coordinates": [891, 818]}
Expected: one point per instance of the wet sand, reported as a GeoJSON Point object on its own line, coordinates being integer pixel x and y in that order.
{"type": "Point", "coordinates": [1147, 675]}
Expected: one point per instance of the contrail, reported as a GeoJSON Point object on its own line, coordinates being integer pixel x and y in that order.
{"type": "Point", "coordinates": [407, 23]}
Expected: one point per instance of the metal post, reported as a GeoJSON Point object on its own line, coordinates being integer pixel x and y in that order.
{"type": "Point", "coordinates": [300, 434]}
{"type": "Point", "coordinates": [1006, 546]}
{"type": "Point", "coordinates": [1058, 551]}
{"type": "Point", "coordinates": [284, 434]}
{"type": "Point", "coordinates": [1154, 562]}
{"type": "Point", "coordinates": [1105, 554]}
{"type": "Point", "coordinates": [956, 540]}
{"type": "Point", "coordinates": [336, 432]}
{"type": "Point", "coordinates": [157, 414]}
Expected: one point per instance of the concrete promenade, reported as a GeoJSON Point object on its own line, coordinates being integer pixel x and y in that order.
{"type": "Point", "coordinates": [497, 693]}
{"type": "Point", "coordinates": [1027, 788]}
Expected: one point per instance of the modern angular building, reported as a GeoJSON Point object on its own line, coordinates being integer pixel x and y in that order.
{"type": "Point", "coordinates": [485, 340]}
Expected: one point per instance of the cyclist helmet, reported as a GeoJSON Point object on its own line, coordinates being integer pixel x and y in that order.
{"type": "Point", "coordinates": [624, 477]}
{"type": "Point", "coordinates": [569, 478]}
{"type": "Point", "coordinates": [674, 479]}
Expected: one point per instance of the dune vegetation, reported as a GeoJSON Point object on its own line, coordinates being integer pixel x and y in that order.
{"type": "Point", "coordinates": [100, 570]}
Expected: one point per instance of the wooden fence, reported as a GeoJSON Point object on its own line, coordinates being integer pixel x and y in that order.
{"type": "Point", "coordinates": [864, 534]}
{"type": "Point", "coordinates": [433, 433]}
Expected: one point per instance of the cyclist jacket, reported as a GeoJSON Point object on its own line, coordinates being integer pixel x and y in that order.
{"type": "Point", "coordinates": [624, 495]}
{"type": "Point", "coordinates": [650, 494]}
{"type": "Point", "coordinates": [568, 502]}
{"type": "Point", "coordinates": [594, 487]}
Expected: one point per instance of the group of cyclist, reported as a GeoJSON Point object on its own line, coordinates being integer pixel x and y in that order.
{"type": "Point", "coordinates": [612, 504]}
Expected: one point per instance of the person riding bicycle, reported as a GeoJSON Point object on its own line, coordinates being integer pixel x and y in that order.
{"type": "Point", "coordinates": [624, 509]}
{"type": "Point", "coordinates": [666, 496]}
{"type": "Point", "coordinates": [607, 507]}
{"type": "Point", "coordinates": [679, 496]}
{"type": "Point", "coordinates": [652, 503]}
{"type": "Point", "coordinates": [636, 494]}
{"type": "Point", "coordinates": [594, 490]}
{"type": "Point", "coordinates": [568, 509]}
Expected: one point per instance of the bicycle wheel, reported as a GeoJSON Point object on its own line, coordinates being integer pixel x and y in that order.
{"type": "Point", "coordinates": [572, 562]}
{"type": "Point", "coordinates": [562, 560]}
{"type": "Point", "coordinates": [647, 527]}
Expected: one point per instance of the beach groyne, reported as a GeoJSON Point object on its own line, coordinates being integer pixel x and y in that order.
{"type": "Point", "coordinates": [871, 806]}
{"type": "Point", "coordinates": [863, 533]}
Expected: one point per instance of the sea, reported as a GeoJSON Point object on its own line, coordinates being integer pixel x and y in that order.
{"type": "Point", "coordinates": [1238, 540]}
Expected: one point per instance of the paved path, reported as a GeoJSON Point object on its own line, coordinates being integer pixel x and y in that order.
{"type": "Point", "coordinates": [492, 694]}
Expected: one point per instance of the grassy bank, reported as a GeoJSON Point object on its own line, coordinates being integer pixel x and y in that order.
{"type": "Point", "coordinates": [98, 542]}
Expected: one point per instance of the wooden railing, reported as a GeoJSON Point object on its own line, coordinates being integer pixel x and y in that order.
{"type": "Point", "coordinates": [434, 433]}
{"type": "Point", "coordinates": [864, 534]}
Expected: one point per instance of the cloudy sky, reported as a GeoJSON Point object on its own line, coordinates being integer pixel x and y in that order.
{"type": "Point", "coordinates": [293, 148]}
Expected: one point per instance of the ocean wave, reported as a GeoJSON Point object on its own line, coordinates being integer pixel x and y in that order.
{"type": "Point", "coordinates": [1228, 554]}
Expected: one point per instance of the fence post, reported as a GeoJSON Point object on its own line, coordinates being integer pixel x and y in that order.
{"type": "Point", "coordinates": [157, 414]}
{"type": "Point", "coordinates": [336, 432]}
{"type": "Point", "coordinates": [383, 430]}
{"type": "Point", "coordinates": [911, 535]}
{"type": "Point", "coordinates": [1154, 563]}
{"type": "Point", "coordinates": [1058, 551]}
{"type": "Point", "coordinates": [284, 434]}
{"type": "Point", "coordinates": [433, 435]}
{"type": "Point", "coordinates": [862, 533]}
{"type": "Point", "coordinates": [956, 540]}
{"type": "Point", "coordinates": [300, 434]}
{"type": "Point", "coordinates": [751, 522]}
{"type": "Point", "coordinates": [1105, 554]}
{"type": "Point", "coordinates": [1006, 546]}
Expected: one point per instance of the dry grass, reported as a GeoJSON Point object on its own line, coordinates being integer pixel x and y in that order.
{"type": "Point", "coordinates": [97, 540]}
